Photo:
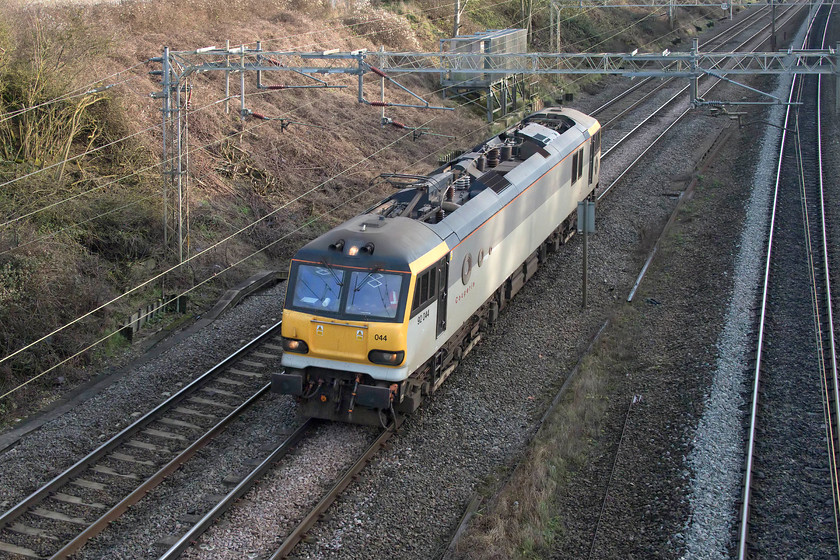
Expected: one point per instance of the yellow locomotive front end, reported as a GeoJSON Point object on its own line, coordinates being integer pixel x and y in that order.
{"type": "Point", "coordinates": [345, 349]}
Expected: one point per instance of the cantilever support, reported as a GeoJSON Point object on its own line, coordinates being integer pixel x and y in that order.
{"type": "Point", "coordinates": [274, 62]}
{"type": "Point", "coordinates": [777, 100]}
{"type": "Point", "coordinates": [365, 67]}
{"type": "Point", "coordinates": [416, 131]}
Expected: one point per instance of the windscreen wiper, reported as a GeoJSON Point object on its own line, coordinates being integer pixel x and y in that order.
{"type": "Point", "coordinates": [369, 274]}
{"type": "Point", "coordinates": [333, 273]}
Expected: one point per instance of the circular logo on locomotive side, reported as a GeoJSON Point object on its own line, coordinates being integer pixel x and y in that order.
{"type": "Point", "coordinates": [466, 269]}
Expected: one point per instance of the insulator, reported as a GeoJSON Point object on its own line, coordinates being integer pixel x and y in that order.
{"type": "Point", "coordinates": [281, 86]}
{"type": "Point", "coordinates": [378, 104]}
{"type": "Point", "coordinates": [378, 72]}
{"type": "Point", "coordinates": [398, 124]}
{"type": "Point", "coordinates": [507, 152]}
{"type": "Point", "coordinates": [259, 116]}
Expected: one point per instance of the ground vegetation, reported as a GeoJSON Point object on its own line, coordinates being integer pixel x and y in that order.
{"type": "Point", "coordinates": [81, 209]}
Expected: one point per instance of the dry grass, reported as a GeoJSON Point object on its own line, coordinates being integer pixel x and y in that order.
{"type": "Point", "coordinates": [521, 521]}
{"type": "Point", "coordinates": [103, 244]}
{"type": "Point", "coordinates": [94, 250]}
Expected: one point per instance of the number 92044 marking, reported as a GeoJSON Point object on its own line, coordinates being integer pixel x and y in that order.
{"type": "Point", "coordinates": [423, 316]}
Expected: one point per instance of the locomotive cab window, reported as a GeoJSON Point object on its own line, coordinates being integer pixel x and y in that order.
{"type": "Point", "coordinates": [374, 294]}
{"type": "Point", "coordinates": [594, 158]}
{"type": "Point", "coordinates": [425, 289]}
{"type": "Point", "coordinates": [580, 163]}
{"type": "Point", "coordinates": [317, 288]}
{"type": "Point", "coordinates": [334, 291]}
{"type": "Point", "coordinates": [577, 165]}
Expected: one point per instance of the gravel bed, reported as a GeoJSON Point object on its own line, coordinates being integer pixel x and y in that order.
{"type": "Point", "coordinates": [284, 497]}
{"type": "Point", "coordinates": [407, 503]}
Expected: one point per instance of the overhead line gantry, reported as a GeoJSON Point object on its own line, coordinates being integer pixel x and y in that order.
{"type": "Point", "coordinates": [177, 68]}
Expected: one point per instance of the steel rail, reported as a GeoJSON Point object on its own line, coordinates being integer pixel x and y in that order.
{"type": "Point", "coordinates": [150, 483]}
{"type": "Point", "coordinates": [750, 454]}
{"type": "Point", "coordinates": [240, 490]}
{"type": "Point", "coordinates": [309, 521]}
{"type": "Point", "coordinates": [660, 136]}
{"type": "Point", "coordinates": [61, 479]}
{"type": "Point", "coordinates": [757, 371]}
{"type": "Point", "coordinates": [829, 304]}
{"type": "Point", "coordinates": [635, 399]}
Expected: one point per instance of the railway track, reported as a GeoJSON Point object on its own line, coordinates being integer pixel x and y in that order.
{"type": "Point", "coordinates": [649, 86]}
{"type": "Point", "coordinates": [32, 541]}
{"type": "Point", "coordinates": [245, 485]}
{"type": "Point", "coordinates": [310, 519]}
{"type": "Point", "coordinates": [791, 460]}
{"type": "Point", "coordinates": [290, 531]}
{"type": "Point", "coordinates": [651, 118]}
{"type": "Point", "coordinates": [298, 533]}
{"type": "Point", "coordinates": [60, 517]}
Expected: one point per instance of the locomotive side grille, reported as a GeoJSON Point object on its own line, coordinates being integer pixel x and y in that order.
{"type": "Point", "coordinates": [495, 181]}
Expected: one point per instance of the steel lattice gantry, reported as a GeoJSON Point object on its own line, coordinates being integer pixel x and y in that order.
{"type": "Point", "coordinates": [178, 67]}
{"type": "Point", "coordinates": [666, 64]}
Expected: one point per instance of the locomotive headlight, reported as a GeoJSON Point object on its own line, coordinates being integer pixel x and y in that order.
{"type": "Point", "coordinates": [384, 358]}
{"type": "Point", "coordinates": [295, 345]}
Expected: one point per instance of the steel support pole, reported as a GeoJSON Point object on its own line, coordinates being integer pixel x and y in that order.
{"type": "Point", "coordinates": [361, 81]}
{"type": "Point", "coordinates": [585, 257]}
{"type": "Point", "coordinates": [259, 63]}
{"type": "Point", "coordinates": [227, 77]}
{"type": "Point", "coordinates": [695, 79]}
{"type": "Point", "coordinates": [186, 156]}
{"type": "Point", "coordinates": [382, 87]}
{"type": "Point", "coordinates": [773, 27]}
{"type": "Point", "coordinates": [165, 168]}
{"type": "Point", "coordinates": [179, 171]}
{"type": "Point", "coordinates": [457, 23]}
{"type": "Point", "coordinates": [242, 86]}
{"type": "Point", "coordinates": [555, 26]}
{"type": "Point", "coordinates": [837, 79]}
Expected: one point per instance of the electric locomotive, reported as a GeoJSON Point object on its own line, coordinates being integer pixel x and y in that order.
{"type": "Point", "coordinates": [380, 310]}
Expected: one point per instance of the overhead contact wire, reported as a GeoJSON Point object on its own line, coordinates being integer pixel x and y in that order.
{"type": "Point", "coordinates": [171, 269]}
{"type": "Point", "coordinates": [208, 279]}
